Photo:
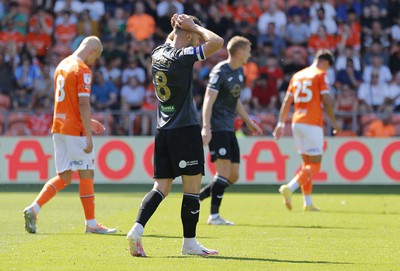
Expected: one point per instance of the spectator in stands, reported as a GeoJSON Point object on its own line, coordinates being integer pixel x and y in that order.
{"type": "Point", "coordinates": [382, 127]}
{"type": "Point", "coordinates": [112, 6]}
{"type": "Point", "coordinates": [321, 40]}
{"type": "Point", "coordinates": [297, 32]}
{"type": "Point", "coordinates": [348, 76]}
{"type": "Point", "coordinates": [163, 25]}
{"type": "Point", "coordinates": [104, 93]}
{"type": "Point", "coordinates": [73, 6]}
{"type": "Point", "coordinates": [321, 19]}
{"type": "Point", "coordinates": [219, 22]}
{"type": "Point", "coordinates": [394, 93]}
{"type": "Point", "coordinates": [274, 72]}
{"type": "Point", "coordinates": [247, 11]}
{"type": "Point", "coordinates": [39, 123]}
{"type": "Point", "coordinates": [65, 31]}
{"type": "Point", "coordinates": [37, 42]}
{"type": "Point", "coordinates": [26, 73]}
{"type": "Point", "coordinates": [347, 37]}
{"type": "Point", "coordinates": [395, 30]}
{"type": "Point", "coordinates": [272, 15]}
{"type": "Point", "coordinates": [330, 12]}
{"type": "Point", "coordinates": [376, 34]}
{"type": "Point", "coordinates": [346, 106]}
{"type": "Point", "coordinates": [385, 76]}
{"type": "Point", "coordinates": [140, 26]}
{"type": "Point", "coordinates": [19, 20]}
{"type": "Point", "coordinates": [163, 6]}
{"type": "Point", "coordinates": [43, 87]}
{"type": "Point", "coordinates": [344, 8]}
{"type": "Point", "coordinates": [95, 7]}
{"type": "Point", "coordinates": [264, 98]}
{"type": "Point", "coordinates": [344, 56]}
{"type": "Point", "coordinates": [132, 98]}
{"type": "Point", "coordinates": [371, 95]}
{"type": "Point", "coordinates": [271, 37]}
{"type": "Point", "coordinates": [394, 59]}
{"type": "Point", "coordinates": [7, 78]}
{"type": "Point", "coordinates": [115, 32]}
{"type": "Point", "coordinates": [111, 70]}
{"type": "Point", "coordinates": [9, 34]}
{"type": "Point", "coordinates": [301, 8]}
{"type": "Point", "coordinates": [44, 19]}
{"type": "Point", "coordinates": [86, 21]}
{"type": "Point", "coordinates": [133, 70]}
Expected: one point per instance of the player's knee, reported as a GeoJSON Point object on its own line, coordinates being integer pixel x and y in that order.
{"type": "Point", "coordinates": [234, 177]}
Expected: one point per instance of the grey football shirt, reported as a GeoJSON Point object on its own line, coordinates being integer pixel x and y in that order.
{"type": "Point", "coordinates": [172, 72]}
{"type": "Point", "coordinates": [229, 84]}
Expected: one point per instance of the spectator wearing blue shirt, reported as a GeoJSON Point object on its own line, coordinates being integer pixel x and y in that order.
{"type": "Point", "coordinates": [104, 93]}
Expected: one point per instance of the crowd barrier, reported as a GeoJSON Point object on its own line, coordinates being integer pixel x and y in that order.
{"type": "Point", "coordinates": [351, 161]}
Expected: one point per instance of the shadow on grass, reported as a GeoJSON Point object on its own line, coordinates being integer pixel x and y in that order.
{"type": "Point", "coordinates": [177, 188]}
{"type": "Point", "coordinates": [299, 227]}
{"type": "Point", "coordinates": [261, 259]}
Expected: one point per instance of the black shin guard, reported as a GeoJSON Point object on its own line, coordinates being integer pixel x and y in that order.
{"type": "Point", "coordinates": [149, 205]}
{"type": "Point", "coordinates": [217, 192]}
{"type": "Point", "coordinates": [190, 211]}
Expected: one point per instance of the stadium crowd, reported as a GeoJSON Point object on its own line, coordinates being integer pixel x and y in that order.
{"type": "Point", "coordinates": [364, 36]}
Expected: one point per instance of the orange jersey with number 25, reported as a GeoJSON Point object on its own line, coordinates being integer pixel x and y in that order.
{"type": "Point", "coordinates": [72, 79]}
{"type": "Point", "coordinates": [307, 87]}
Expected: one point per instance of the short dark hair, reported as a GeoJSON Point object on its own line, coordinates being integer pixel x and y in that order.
{"type": "Point", "coordinates": [325, 54]}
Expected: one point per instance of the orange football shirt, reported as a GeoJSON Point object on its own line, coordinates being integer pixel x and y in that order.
{"type": "Point", "coordinates": [72, 79]}
{"type": "Point", "coordinates": [307, 87]}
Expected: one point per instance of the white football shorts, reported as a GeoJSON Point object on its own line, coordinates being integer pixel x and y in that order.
{"type": "Point", "coordinates": [69, 154]}
{"type": "Point", "coordinates": [309, 139]}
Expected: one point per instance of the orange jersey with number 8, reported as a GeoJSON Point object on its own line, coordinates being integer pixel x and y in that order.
{"type": "Point", "coordinates": [72, 79]}
{"type": "Point", "coordinates": [307, 87]}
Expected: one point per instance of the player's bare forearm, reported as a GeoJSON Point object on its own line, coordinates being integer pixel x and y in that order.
{"type": "Point", "coordinates": [84, 108]}
{"type": "Point", "coordinates": [241, 111]}
{"type": "Point", "coordinates": [287, 102]}
{"type": "Point", "coordinates": [212, 42]}
{"type": "Point", "coordinates": [209, 100]}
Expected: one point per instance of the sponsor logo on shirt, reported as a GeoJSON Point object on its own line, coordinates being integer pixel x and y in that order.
{"type": "Point", "coordinates": [167, 108]}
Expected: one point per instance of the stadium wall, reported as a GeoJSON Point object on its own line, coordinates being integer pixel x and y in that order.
{"type": "Point", "coordinates": [264, 161]}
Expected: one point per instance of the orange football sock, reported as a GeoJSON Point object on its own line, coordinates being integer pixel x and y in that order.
{"type": "Point", "coordinates": [86, 193]}
{"type": "Point", "coordinates": [50, 189]}
{"type": "Point", "coordinates": [312, 169]}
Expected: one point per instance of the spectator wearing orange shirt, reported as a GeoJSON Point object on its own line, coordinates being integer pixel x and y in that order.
{"type": "Point", "coordinates": [45, 20]}
{"type": "Point", "coordinates": [248, 11]}
{"type": "Point", "coordinates": [347, 37]}
{"type": "Point", "coordinates": [65, 31]}
{"type": "Point", "coordinates": [381, 127]}
{"type": "Point", "coordinates": [321, 40]}
{"type": "Point", "coordinates": [140, 25]}
{"type": "Point", "coordinates": [11, 35]}
{"type": "Point", "coordinates": [38, 42]}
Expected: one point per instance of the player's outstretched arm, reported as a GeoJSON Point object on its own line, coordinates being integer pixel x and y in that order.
{"type": "Point", "coordinates": [241, 111]}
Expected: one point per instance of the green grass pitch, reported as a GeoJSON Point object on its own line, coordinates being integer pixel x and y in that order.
{"type": "Point", "coordinates": [358, 229]}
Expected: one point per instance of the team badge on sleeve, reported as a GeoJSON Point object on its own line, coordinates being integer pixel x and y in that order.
{"type": "Point", "coordinates": [214, 78]}
{"type": "Point", "coordinates": [87, 78]}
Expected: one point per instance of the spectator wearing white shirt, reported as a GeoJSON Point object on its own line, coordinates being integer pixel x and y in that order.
{"type": "Point", "coordinates": [394, 92]}
{"type": "Point", "coordinates": [133, 69]}
{"type": "Point", "coordinates": [322, 19]}
{"type": "Point", "coordinates": [96, 9]}
{"type": "Point", "coordinates": [272, 15]}
{"type": "Point", "coordinates": [163, 7]}
{"type": "Point", "coordinates": [395, 30]}
{"type": "Point", "coordinates": [341, 60]}
{"type": "Point", "coordinates": [385, 75]}
{"type": "Point", "coordinates": [372, 95]}
{"type": "Point", "coordinates": [297, 32]}
{"type": "Point", "coordinates": [330, 11]}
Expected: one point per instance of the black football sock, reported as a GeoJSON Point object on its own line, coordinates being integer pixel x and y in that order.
{"type": "Point", "coordinates": [190, 211]}
{"type": "Point", "coordinates": [217, 192]}
{"type": "Point", "coordinates": [149, 205]}
{"type": "Point", "coordinates": [205, 192]}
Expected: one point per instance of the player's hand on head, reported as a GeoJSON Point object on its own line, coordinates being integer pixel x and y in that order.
{"type": "Point", "coordinates": [184, 22]}
{"type": "Point", "coordinates": [89, 145]}
{"type": "Point", "coordinates": [173, 20]}
{"type": "Point", "coordinates": [97, 127]}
